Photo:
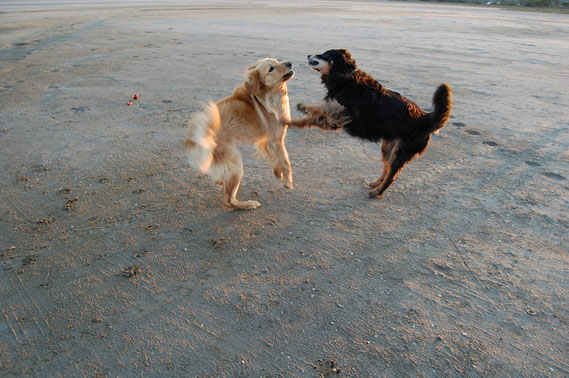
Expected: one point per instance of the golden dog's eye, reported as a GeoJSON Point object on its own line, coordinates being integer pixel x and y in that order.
{"type": "Point", "coordinates": [271, 69]}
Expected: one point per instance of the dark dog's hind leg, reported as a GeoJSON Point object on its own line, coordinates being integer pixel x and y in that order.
{"type": "Point", "coordinates": [401, 157]}
{"type": "Point", "coordinates": [376, 183]}
{"type": "Point", "coordinates": [388, 147]}
{"type": "Point", "coordinates": [392, 171]}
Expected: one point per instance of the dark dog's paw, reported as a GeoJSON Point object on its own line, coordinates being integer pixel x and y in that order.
{"type": "Point", "coordinates": [301, 107]}
{"type": "Point", "coordinates": [322, 122]}
{"type": "Point", "coordinates": [375, 193]}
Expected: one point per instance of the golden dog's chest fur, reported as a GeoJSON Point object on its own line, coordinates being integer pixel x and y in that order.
{"type": "Point", "coordinates": [257, 112]}
{"type": "Point", "coordinates": [248, 118]}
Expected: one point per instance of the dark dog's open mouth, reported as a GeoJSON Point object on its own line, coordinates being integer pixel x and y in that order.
{"type": "Point", "coordinates": [314, 63]}
{"type": "Point", "coordinates": [288, 75]}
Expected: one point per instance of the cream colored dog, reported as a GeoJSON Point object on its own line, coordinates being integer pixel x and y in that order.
{"type": "Point", "coordinates": [258, 112]}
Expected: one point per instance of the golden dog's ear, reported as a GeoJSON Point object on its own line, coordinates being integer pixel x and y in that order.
{"type": "Point", "coordinates": [254, 83]}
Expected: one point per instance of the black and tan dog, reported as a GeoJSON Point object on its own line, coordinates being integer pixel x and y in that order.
{"type": "Point", "coordinates": [361, 106]}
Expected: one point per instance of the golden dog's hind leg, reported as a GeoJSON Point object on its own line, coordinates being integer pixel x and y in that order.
{"type": "Point", "coordinates": [227, 167]}
{"type": "Point", "coordinates": [230, 195]}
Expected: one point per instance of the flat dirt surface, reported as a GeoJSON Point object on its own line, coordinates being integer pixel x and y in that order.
{"type": "Point", "coordinates": [117, 260]}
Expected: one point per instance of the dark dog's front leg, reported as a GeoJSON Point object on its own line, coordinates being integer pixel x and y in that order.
{"type": "Point", "coordinates": [303, 122]}
{"type": "Point", "coordinates": [310, 121]}
{"type": "Point", "coordinates": [310, 109]}
{"type": "Point", "coordinates": [323, 116]}
{"type": "Point", "coordinates": [313, 115]}
{"type": "Point", "coordinates": [328, 116]}
{"type": "Point", "coordinates": [301, 107]}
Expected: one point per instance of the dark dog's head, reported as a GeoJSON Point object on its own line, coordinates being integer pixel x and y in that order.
{"type": "Point", "coordinates": [332, 61]}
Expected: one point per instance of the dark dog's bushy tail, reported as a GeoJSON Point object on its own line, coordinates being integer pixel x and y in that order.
{"type": "Point", "coordinates": [442, 103]}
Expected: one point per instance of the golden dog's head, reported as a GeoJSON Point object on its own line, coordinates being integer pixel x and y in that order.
{"type": "Point", "coordinates": [268, 75]}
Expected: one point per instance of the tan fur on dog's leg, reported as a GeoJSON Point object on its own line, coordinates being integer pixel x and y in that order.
{"type": "Point", "coordinates": [312, 112]}
{"type": "Point", "coordinates": [391, 151]}
{"type": "Point", "coordinates": [377, 190]}
{"type": "Point", "coordinates": [227, 167]}
{"type": "Point", "coordinates": [376, 183]}
{"type": "Point", "coordinates": [303, 122]}
{"type": "Point", "coordinates": [281, 163]}
{"type": "Point", "coordinates": [328, 116]}
{"type": "Point", "coordinates": [278, 157]}
{"type": "Point", "coordinates": [230, 196]}
{"type": "Point", "coordinates": [388, 147]}
{"type": "Point", "coordinates": [310, 109]}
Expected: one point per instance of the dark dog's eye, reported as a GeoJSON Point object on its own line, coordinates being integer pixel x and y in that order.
{"type": "Point", "coordinates": [271, 69]}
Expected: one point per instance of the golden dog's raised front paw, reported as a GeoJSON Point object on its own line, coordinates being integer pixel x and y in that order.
{"type": "Point", "coordinates": [285, 175]}
{"type": "Point", "coordinates": [278, 172]}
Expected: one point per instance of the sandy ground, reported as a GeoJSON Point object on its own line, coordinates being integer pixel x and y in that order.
{"type": "Point", "coordinates": [116, 259]}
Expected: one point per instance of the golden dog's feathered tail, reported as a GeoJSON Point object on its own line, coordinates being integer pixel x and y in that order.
{"type": "Point", "coordinates": [200, 142]}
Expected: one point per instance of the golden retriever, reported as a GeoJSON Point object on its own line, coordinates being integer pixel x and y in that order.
{"type": "Point", "coordinates": [258, 111]}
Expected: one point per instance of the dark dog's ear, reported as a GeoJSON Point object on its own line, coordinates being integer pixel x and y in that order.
{"type": "Point", "coordinates": [343, 62]}
{"type": "Point", "coordinates": [347, 55]}
{"type": "Point", "coordinates": [254, 83]}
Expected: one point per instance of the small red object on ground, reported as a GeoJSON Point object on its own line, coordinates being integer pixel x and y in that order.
{"type": "Point", "coordinates": [129, 103]}
{"type": "Point", "coordinates": [135, 96]}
